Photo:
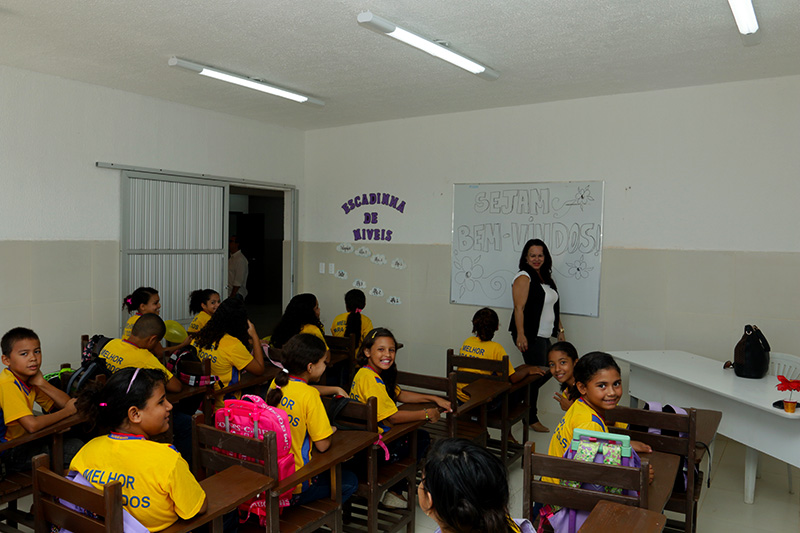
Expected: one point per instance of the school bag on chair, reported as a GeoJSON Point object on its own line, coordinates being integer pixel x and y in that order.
{"type": "Point", "coordinates": [252, 417]}
{"type": "Point", "coordinates": [751, 354]}
{"type": "Point", "coordinates": [175, 364]}
{"type": "Point", "coordinates": [591, 447]}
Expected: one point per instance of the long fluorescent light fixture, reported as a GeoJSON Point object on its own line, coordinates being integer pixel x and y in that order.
{"type": "Point", "coordinates": [381, 25]}
{"type": "Point", "coordinates": [243, 81]}
{"type": "Point", "coordinates": [745, 16]}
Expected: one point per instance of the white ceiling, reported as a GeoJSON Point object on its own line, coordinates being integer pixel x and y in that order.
{"type": "Point", "coordinates": [545, 50]}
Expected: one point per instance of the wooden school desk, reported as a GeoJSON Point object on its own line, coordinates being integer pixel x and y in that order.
{"type": "Point", "coordinates": [665, 468]}
{"type": "Point", "coordinates": [610, 517]}
{"type": "Point", "coordinates": [748, 417]}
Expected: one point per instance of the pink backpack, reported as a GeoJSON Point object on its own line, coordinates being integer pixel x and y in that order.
{"type": "Point", "coordinates": [252, 416]}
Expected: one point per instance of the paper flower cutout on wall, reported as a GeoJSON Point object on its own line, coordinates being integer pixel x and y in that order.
{"type": "Point", "coordinates": [579, 269]}
{"type": "Point", "coordinates": [360, 284]}
{"type": "Point", "coordinates": [398, 263]}
{"type": "Point", "coordinates": [394, 300]}
{"type": "Point", "coordinates": [345, 248]}
{"type": "Point", "coordinates": [376, 291]}
{"type": "Point", "coordinates": [363, 252]}
{"type": "Point", "coordinates": [379, 259]}
{"type": "Point", "coordinates": [340, 274]}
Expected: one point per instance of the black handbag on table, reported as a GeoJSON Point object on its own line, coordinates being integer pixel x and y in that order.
{"type": "Point", "coordinates": [751, 354]}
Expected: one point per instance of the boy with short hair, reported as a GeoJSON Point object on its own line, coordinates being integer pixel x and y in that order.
{"type": "Point", "coordinates": [137, 350]}
{"type": "Point", "coordinates": [21, 385]}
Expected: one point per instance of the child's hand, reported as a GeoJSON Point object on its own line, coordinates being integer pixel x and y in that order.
{"type": "Point", "coordinates": [338, 391]}
{"type": "Point", "coordinates": [652, 474]}
{"type": "Point", "coordinates": [70, 406]}
{"type": "Point", "coordinates": [565, 403]}
{"type": "Point", "coordinates": [443, 404]}
{"type": "Point", "coordinates": [251, 330]}
{"type": "Point", "coordinates": [433, 415]}
{"type": "Point", "coordinates": [640, 447]}
{"type": "Point", "coordinates": [37, 380]}
{"type": "Point", "coordinates": [538, 371]}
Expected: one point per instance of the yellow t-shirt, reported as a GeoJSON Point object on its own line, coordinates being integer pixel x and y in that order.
{"type": "Point", "coordinates": [157, 486]}
{"type": "Point", "coordinates": [16, 401]}
{"type": "Point", "coordinates": [367, 384]}
{"type": "Point", "coordinates": [200, 320]}
{"type": "Point", "coordinates": [579, 415]}
{"type": "Point", "coordinates": [121, 354]}
{"type": "Point", "coordinates": [307, 418]}
{"type": "Point", "coordinates": [474, 347]}
{"type": "Point", "coordinates": [340, 324]}
{"type": "Point", "coordinates": [129, 326]}
{"type": "Point", "coordinates": [227, 362]}
{"type": "Point", "coordinates": [314, 330]}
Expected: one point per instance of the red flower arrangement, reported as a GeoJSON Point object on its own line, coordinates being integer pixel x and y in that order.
{"type": "Point", "coordinates": [788, 384]}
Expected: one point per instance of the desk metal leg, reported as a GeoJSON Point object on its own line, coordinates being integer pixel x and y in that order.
{"type": "Point", "coordinates": [750, 467]}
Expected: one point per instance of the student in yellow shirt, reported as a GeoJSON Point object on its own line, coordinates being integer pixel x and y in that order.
{"type": "Point", "coordinates": [226, 340]}
{"type": "Point", "coordinates": [22, 385]}
{"type": "Point", "coordinates": [378, 377]}
{"type": "Point", "coordinates": [561, 359]}
{"type": "Point", "coordinates": [141, 301]}
{"type": "Point", "coordinates": [157, 485]}
{"type": "Point", "coordinates": [301, 316]}
{"type": "Point", "coordinates": [354, 321]}
{"type": "Point", "coordinates": [304, 360]}
{"type": "Point", "coordinates": [203, 303]}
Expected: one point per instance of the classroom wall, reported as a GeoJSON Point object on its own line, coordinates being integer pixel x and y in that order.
{"type": "Point", "coordinates": [59, 240]}
{"type": "Point", "coordinates": [700, 218]}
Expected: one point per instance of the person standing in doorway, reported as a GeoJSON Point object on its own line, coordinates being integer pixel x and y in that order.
{"type": "Point", "coordinates": [237, 269]}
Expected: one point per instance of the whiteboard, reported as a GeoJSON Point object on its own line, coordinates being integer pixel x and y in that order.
{"type": "Point", "coordinates": [493, 221]}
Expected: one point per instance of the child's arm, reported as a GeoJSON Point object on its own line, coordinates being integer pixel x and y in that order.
{"type": "Point", "coordinates": [565, 403]}
{"type": "Point", "coordinates": [256, 366]}
{"type": "Point", "coordinates": [523, 371]}
{"type": "Point", "coordinates": [401, 417]}
{"type": "Point", "coordinates": [430, 414]}
{"type": "Point", "coordinates": [32, 423]}
{"type": "Point", "coordinates": [640, 447]}
{"type": "Point", "coordinates": [407, 396]}
{"type": "Point", "coordinates": [59, 397]}
{"type": "Point", "coordinates": [323, 445]}
{"type": "Point", "coordinates": [328, 390]}
{"type": "Point", "coordinates": [174, 384]}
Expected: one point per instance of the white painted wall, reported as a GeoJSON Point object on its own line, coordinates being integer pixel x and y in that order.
{"type": "Point", "coordinates": [700, 168]}
{"type": "Point", "coordinates": [52, 131]}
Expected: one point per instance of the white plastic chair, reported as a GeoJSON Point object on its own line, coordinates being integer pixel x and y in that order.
{"type": "Point", "coordinates": [782, 364]}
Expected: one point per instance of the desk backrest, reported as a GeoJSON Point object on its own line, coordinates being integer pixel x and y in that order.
{"type": "Point", "coordinates": [106, 504]}
{"type": "Point", "coordinates": [670, 423]}
{"type": "Point", "coordinates": [210, 447]}
{"type": "Point", "coordinates": [356, 415]}
{"type": "Point", "coordinates": [498, 370]}
{"type": "Point", "coordinates": [624, 477]}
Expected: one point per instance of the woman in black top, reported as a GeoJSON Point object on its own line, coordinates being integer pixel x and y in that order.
{"type": "Point", "coordinates": [536, 317]}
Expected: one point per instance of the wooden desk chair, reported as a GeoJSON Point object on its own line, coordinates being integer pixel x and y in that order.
{"type": "Point", "coordinates": [507, 415]}
{"type": "Point", "coordinates": [455, 424]}
{"type": "Point", "coordinates": [246, 381]}
{"type": "Point", "coordinates": [681, 502]}
{"type": "Point", "coordinates": [342, 365]}
{"type": "Point", "coordinates": [225, 491]}
{"type": "Point", "coordinates": [380, 478]}
{"type": "Point", "coordinates": [577, 498]}
{"type": "Point", "coordinates": [300, 518]}
{"type": "Point", "coordinates": [609, 517]}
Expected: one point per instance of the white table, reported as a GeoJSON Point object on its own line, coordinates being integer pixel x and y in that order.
{"type": "Point", "coordinates": [746, 404]}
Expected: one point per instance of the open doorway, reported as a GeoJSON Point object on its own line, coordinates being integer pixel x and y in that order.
{"type": "Point", "coordinates": [256, 218]}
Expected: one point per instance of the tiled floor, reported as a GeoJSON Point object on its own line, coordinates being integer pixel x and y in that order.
{"type": "Point", "coordinates": [721, 507]}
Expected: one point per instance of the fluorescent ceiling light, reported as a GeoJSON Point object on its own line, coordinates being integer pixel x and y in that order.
{"type": "Point", "coordinates": [381, 25]}
{"type": "Point", "coordinates": [745, 16]}
{"type": "Point", "coordinates": [243, 81]}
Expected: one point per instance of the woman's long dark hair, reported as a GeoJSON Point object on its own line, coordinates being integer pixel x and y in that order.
{"type": "Point", "coordinates": [546, 270]}
{"type": "Point", "coordinates": [229, 319]}
{"type": "Point", "coordinates": [107, 405]}
{"type": "Point", "coordinates": [298, 313]}
{"type": "Point", "coordinates": [388, 376]}
{"type": "Point", "coordinates": [354, 301]}
{"type": "Point", "coordinates": [572, 353]}
{"type": "Point", "coordinates": [468, 487]}
{"type": "Point", "coordinates": [300, 351]}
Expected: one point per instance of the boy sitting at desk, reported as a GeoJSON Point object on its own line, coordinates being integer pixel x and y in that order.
{"type": "Point", "coordinates": [137, 350]}
{"type": "Point", "coordinates": [22, 384]}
